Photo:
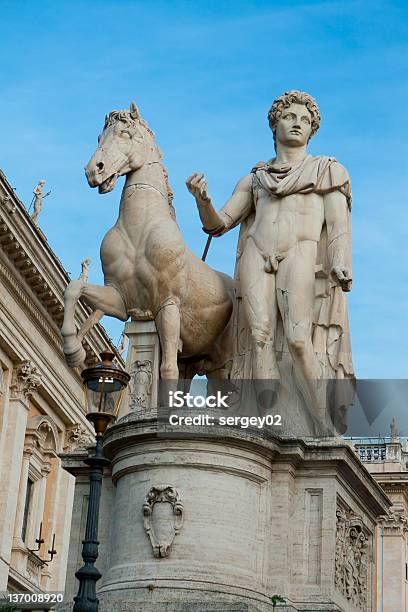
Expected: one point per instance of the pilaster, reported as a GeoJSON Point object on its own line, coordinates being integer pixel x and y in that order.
{"type": "Point", "coordinates": [25, 381]}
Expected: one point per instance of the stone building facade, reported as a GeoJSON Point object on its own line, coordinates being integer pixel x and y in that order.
{"type": "Point", "coordinates": [41, 404]}
{"type": "Point", "coordinates": [386, 460]}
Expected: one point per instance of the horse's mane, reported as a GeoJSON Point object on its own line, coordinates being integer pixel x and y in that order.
{"type": "Point", "coordinates": [125, 117]}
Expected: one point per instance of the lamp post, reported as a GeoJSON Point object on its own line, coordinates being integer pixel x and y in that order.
{"type": "Point", "coordinates": [104, 386]}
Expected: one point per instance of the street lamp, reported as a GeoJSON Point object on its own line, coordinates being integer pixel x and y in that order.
{"type": "Point", "coordinates": [104, 386]}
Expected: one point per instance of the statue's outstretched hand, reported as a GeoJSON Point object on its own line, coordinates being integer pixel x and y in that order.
{"type": "Point", "coordinates": [343, 275]}
{"type": "Point", "coordinates": [197, 186]}
{"type": "Point", "coordinates": [213, 223]}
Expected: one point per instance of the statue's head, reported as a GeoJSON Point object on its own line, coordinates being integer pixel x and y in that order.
{"type": "Point", "coordinates": [125, 144]}
{"type": "Point", "coordinates": [294, 118]}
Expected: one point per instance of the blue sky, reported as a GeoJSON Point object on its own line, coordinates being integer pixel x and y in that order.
{"type": "Point", "coordinates": [204, 75]}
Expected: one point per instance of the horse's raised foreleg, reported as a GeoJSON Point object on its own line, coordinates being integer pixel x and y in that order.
{"type": "Point", "coordinates": [102, 299]}
{"type": "Point", "coordinates": [168, 328]}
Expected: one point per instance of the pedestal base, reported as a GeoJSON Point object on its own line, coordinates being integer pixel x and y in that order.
{"type": "Point", "coordinates": [204, 522]}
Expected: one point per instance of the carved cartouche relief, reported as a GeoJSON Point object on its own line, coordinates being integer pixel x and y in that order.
{"type": "Point", "coordinates": [352, 547]}
{"type": "Point", "coordinates": [140, 385]}
{"type": "Point", "coordinates": [162, 530]}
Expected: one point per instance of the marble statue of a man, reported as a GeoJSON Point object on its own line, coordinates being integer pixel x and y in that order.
{"type": "Point", "coordinates": [294, 253]}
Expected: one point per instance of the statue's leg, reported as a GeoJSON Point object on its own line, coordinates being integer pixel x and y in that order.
{"type": "Point", "coordinates": [260, 306]}
{"type": "Point", "coordinates": [102, 299]}
{"type": "Point", "coordinates": [296, 295]}
{"type": "Point", "coordinates": [296, 292]}
{"type": "Point", "coordinates": [168, 328]}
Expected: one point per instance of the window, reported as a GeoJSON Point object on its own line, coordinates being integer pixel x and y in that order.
{"type": "Point", "coordinates": [26, 508]}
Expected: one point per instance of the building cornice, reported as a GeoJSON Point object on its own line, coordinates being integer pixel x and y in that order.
{"type": "Point", "coordinates": [29, 260]}
{"type": "Point", "coordinates": [29, 306]}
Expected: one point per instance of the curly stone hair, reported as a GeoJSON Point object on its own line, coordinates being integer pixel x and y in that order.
{"type": "Point", "coordinates": [294, 97]}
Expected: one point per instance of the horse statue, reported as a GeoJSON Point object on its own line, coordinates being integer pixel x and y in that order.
{"type": "Point", "coordinates": [149, 272]}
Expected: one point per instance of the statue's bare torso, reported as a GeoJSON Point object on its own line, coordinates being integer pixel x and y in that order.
{"type": "Point", "coordinates": [281, 223]}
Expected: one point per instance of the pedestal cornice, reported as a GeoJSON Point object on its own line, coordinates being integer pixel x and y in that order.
{"type": "Point", "coordinates": [308, 455]}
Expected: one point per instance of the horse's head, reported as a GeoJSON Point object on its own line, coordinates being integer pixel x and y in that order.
{"type": "Point", "coordinates": [125, 144]}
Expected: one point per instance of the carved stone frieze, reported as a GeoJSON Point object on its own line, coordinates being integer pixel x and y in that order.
{"type": "Point", "coordinates": [352, 547]}
{"type": "Point", "coordinates": [162, 531]}
{"type": "Point", "coordinates": [25, 380]}
{"type": "Point", "coordinates": [394, 523]}
{"type": "Point", "coordinates": [140, 385]}
{"type": "Point", "coordinates": [77, 438]}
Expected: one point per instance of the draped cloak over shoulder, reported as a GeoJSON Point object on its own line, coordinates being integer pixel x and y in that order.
{"type": "Point", "coordinates": [313, 175]}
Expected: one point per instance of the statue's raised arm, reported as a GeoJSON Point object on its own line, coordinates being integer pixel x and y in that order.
{"type": "Point", "coordinates": [235, 210]}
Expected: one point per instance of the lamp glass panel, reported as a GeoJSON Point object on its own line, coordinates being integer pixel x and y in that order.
{"type": "Point", "coordinates": [103, 401]}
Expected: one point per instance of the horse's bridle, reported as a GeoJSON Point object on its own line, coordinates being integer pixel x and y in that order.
{"type": "Point", "coordinates": [143, 185]}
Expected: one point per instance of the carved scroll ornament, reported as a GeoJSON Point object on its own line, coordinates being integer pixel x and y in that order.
{"type": "Point", "coordinates": [351, 576]}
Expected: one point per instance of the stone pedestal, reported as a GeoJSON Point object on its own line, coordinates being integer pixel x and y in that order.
{"type": "Point", "coordinates": [221, 518]}
{"type": "Point", "coordinates": [232, 519]}
{"type": "Point", "coordinates": [142, 363]}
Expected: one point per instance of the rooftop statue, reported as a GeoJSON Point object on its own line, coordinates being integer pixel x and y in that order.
{"type": "Point", "coordinates": [293, 264]}
{"type": "Point", "coordinates": [85, 263]}
{"type": "Point", "coordinates": [394, 429]}
{"type": "Point", "coordinates": [38, 200]}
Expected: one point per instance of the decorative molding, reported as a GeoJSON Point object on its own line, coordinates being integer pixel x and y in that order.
{"type": "Point", "coordinates": [140, 386]}
{"type": "Point", "coordinates": [41, 444]}
{"type": "Point", "coordinates": [25, 380]}
{"type": "Point", "coordinates": [39, 317]}
{"type": "Point", "coordinates": [163, 494]}
{"type": "Point", "coordinates": [77, 438]}
{"type": "Point", "coordinates": [2, 380]}
{"type": "Point", "coordinates": [394, 523]}
{"type": "Point", "coordinates": [46, 469]}
{"type": "Point", "coordinates": [34, 566]}
{"type": "Point", "coordinates": [8, 203]}
{"type": "Point", "coordinates": [351, 569]}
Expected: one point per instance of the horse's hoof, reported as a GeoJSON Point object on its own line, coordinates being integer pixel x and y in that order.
{"type": "Point", "coordinates": [76, 359]}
